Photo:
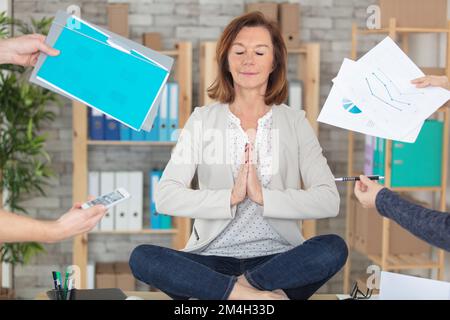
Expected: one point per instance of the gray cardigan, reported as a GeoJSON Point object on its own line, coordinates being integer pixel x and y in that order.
{"type": "Point", "coordinates": [286, 202]}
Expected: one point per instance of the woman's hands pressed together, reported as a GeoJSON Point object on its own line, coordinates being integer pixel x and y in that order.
{"type": "Point", "coordinates": [239, 191]}
{"type": "Point", "coordinates": [254, 189]}
{"type": "Point", "coordinates": [247, 183]}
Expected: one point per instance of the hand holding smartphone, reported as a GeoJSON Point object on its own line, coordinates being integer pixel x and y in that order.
{"type": "Point", "coordinates": [108, 200]}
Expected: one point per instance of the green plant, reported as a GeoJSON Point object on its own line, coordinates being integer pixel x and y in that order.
{"type": "Point", "coordinates": [24, 164]}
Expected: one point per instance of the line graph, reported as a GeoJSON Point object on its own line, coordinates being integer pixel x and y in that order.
{"type": "Point", "coordinates": [385, 90]}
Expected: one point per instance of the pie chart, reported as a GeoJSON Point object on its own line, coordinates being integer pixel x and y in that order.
{"type": "Point", "coordinates": [350, 106]}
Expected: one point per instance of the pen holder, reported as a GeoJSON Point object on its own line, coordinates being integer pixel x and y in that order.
{"type": "Point", "coordinates": [61, 294]}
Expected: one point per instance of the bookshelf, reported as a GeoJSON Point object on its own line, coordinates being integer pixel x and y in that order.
{"type": "Point", "coordinates": [80, 146]}
{"type": "Point", "coordinates": [386, 260]}
{"type": "Point", "coordinates": [308, 70]}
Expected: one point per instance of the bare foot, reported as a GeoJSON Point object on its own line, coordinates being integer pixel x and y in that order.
{"type": "Point", "coordinates": [243, 292]}
{"type": "Point", "coordinates": [282, 294]}
{"type": "Point", "coordinates": [271, 295]}
{"type": "Point", "coordinates": [243, 280]}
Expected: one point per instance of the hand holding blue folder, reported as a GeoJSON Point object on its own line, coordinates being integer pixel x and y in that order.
{"type": "Point", "coordinates": [103, 70]}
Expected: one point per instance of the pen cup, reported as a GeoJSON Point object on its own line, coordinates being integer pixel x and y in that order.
{"type": "Point", "coordinates": [60, 294]}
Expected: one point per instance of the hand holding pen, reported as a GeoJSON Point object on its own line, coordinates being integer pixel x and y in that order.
{"type": "Point", "coordinates": [366, 191]}
{"type": "Point", "coordinates": [345, 179]}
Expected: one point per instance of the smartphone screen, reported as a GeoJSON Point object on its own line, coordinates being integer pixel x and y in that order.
{"type": "Point", "coordinates": [107, 199]}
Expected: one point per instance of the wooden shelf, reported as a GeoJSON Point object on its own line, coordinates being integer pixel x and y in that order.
{"type": "Point", "coordinates": [444, 108]}
{"type": "Point", "coordinates": [413, 189]}
{"type": "Point", "coordinates": [386, 260]}
{"type": "Point", "coordinates": [172, 53]}
{"type": "Point", "coordinates": [402, 30]}
{"type": "Point", "coordinates": [406, 262]}
{"type": "Point", "coordinates": [144, 231]}
{"type": "Point", "coordinates": [130, 143]}
{"type": "Point", "coordinates": [299, 50]}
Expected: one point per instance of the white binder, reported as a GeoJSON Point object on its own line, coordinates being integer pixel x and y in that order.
{"type": "Point", "coordinates": [136, 189]}
{"type": "Point", "coordinates": [106, 186]}
{"type": "Point", "coordinates": [295, 95]}
{"type": "Point", "coordinates": [94, 189]}
{"type": "Point", "coordinates": [122, 211]}
{"type": "Point", "coordinates": [90, 275]}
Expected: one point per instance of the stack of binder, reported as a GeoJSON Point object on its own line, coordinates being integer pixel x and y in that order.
{"type": "Point", "coordinates": [127, 215]}
{"type": "Point", "coordinates": [164, 127]}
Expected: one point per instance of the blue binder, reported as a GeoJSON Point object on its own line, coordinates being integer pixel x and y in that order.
{"type": "Point", "coordinates": [165, 221]}
{"type": "Point", "coordinates": [112, 129]}
{"type": "Point", "coordinates": [154, 217]}
{"type": "Point", "coordinates": [138, 135]}
{"type": "Point", "coordinates": [96, 125]}
{"type": "Point", "coordinates": [163, 115]}
{"type": "Point", "coordinates": [153, 135]}
{"type": "Point", "coordinates": [125, 133]}
{"type": "Point", "coordinates": [173, 111]}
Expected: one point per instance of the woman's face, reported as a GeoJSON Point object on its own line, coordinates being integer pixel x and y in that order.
{"type": "Point", "coordinates": [250, 58]}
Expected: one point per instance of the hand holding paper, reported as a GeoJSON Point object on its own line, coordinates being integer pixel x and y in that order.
{"type": "Point", "coordinates": [374, 95]}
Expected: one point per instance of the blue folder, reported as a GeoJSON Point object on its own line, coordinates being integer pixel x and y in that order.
{"type": "Point", "coordinates": [96, 125]}
{"type": "Point", "coordinates": [165, 221]}
{"type": "Point", "coordinates": [153, 135]}
{"type": "Point", "coordinates": [155, 221]}
{"type": "Point", "coordinates": [112, 129]}
{"type": "Point", "coordinates": [163, 115]}
{"type": "Point", "coordinates": [125, 133]}
{"type": "Point", "coordinates": [173, 111]}
{"type": "Point", "coordinates": [103, 70]}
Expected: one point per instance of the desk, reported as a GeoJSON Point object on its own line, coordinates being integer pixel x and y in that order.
{"type": "Point", "coordinates": [162, 296]}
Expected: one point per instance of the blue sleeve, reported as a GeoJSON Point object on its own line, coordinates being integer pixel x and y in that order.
{"type": "Point", "coordinates": [429, 225]}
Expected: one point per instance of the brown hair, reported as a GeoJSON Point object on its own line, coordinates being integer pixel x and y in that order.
{"type": "Point", "coordinates": [222, 89]}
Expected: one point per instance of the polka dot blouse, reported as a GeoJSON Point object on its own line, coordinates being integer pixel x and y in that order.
{"type": "Point", "coordinates": [249, 235]}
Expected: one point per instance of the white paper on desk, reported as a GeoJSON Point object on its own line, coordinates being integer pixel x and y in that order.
{"type": "Point", "coordinates": [380, 83]}
{"type": "Point", "coordinates": [394, 286]}
{"type": "Point", "coordinates": [342, 112]}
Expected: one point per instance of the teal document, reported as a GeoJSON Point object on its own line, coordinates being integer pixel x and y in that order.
{"type": "Point", "coordinates": [103, 70]}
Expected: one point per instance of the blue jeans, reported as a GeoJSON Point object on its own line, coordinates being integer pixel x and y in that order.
{"type": "Point", "coordinates": [299, 272]}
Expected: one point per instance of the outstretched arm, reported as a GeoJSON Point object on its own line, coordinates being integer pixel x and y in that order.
{"type": "Point", "coordinates": [17, 228]}
{"type": "Point", "coordinates": [429, 225]}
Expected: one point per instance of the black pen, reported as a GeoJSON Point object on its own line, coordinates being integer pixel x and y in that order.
{"type": "Point", "coordinates": [344, 179]}
{"type": "Point", "coordinates": [55, 280]}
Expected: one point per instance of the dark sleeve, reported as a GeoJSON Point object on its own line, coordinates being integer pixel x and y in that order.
{"type": "Point", "coordinates": [429, 225]}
